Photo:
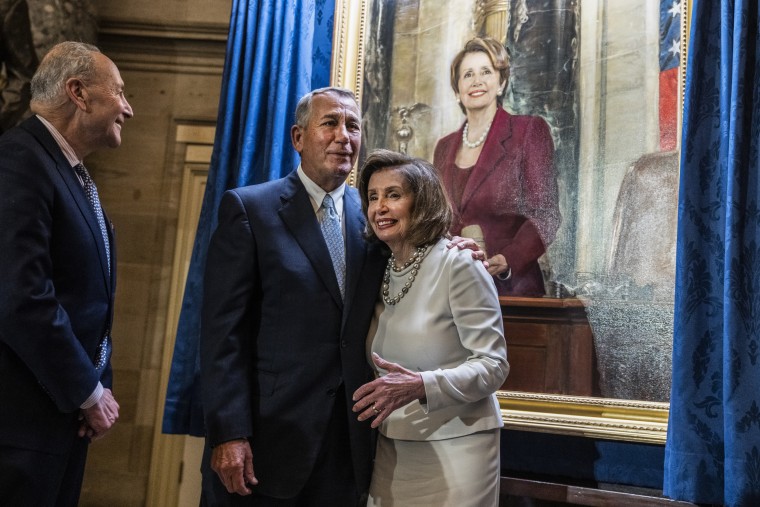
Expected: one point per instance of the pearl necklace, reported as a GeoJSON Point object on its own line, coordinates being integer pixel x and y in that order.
{"type": "Point", "coordinates": [480, 141]}
{"type": "Point", "coordinates": [414, 261]}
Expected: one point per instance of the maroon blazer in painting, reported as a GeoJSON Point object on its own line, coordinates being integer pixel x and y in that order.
{"type": "Point", "coordinates": [511, 193]}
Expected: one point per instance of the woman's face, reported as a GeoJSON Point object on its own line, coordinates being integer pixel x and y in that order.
{"type": "Point", "coordinates": [478, 81]}
{"type": "Point", "coordinates": [389, 209]}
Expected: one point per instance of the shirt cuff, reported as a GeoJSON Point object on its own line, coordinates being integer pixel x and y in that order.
{"type": "Point", "coordinates": [94, 397]}
{"type": "Point", "coordinates": [505, 276]}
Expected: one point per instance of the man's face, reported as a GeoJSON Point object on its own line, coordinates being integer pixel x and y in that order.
{"type": "Point", "coordinates": [107, 107]}
{"type": "Point", "coordinates": [330, 142]}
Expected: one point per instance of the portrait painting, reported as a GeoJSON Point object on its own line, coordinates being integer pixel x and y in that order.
{"type": "Point", "coordinates": [576, 180]}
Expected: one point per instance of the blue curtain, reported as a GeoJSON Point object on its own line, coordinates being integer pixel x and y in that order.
{"type": "Point", "coordinates": [277, 51]}
{"type": "Point", "coordinates": [713, 445]}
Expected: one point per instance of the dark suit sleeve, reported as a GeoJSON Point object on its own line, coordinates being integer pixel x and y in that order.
{"type": "Point", "coordinates": [226, 328]}
{"type": "Point", "coordinates": [34, 324]}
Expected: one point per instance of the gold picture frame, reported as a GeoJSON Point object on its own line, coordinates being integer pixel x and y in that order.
{"type": "Point", "coordinates": [607, 418]}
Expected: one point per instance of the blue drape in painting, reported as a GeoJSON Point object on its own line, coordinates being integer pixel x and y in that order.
{"type": "Point", "coordinates": [713, 444]}
{"type": "Point", "coordinates": [277, 51]}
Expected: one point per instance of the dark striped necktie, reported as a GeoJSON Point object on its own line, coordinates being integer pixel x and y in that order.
{"type": "Point", "coordinates": [92, 196]}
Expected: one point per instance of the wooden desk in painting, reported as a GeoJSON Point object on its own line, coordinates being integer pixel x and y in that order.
{"type": "Point", "coordinates": [549, 346]}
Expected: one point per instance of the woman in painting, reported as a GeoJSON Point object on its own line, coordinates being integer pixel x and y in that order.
{"type": "Point", "coordinates": [436, 341]}
{"type": "Point", "coordinates": [498, 170]}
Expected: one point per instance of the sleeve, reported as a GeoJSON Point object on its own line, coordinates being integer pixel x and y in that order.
{"type": "Point", "coordinates": [477, 316]}
{"type": "Point", "coordinates": [33, 323]}
{"type": "Point", "coordinates": [226, 325]}
{"type": "Point", "coordinates": [540, 198]}
{"type": "Point", "coordinates": [438, 154]}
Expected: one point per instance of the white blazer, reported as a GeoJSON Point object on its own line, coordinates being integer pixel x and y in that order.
{"type": "Point", "coordinates": [449, 328]}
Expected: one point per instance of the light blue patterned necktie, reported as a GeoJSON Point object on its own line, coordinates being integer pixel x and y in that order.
{"type": "Point", "coordinates": [333, 232]}
{"type": "Point", "coordinates": [92, 196]}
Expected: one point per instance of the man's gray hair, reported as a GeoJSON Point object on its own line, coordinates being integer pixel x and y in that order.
{"type": "Point", "coordinates": [64, 61]}
{"type": "Point", "coordinates": [303, 109]}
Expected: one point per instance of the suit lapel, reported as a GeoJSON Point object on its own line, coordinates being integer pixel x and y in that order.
{"type": "Point", "coordinates": [298, 216]}
{"type": "Point", "coordinates": [43, 136]}
{"type": "Point", "coordinates": [355, 246]}
{"type": "Point", "coordinates": [491, 157]}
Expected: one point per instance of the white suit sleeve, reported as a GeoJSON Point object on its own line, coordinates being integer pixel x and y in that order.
{"type": "Point", "coordinates": [477, 316]}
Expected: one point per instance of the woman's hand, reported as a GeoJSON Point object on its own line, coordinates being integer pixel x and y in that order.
{"type": "Point", "coordinates": [383, 395]}
{"type": "Point", "coordinates": [497, 265]}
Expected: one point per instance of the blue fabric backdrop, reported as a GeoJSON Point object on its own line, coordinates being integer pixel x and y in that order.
{"type": "Point", "coordinates": [277, 51]}
{"type": "Point", "coordinates": [713, 445]}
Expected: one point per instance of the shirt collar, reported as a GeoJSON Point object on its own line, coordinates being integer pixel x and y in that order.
{"type": "Point", "coordinates": [66, 148]}
{"type": "Point", "coordinates": [317, 194]}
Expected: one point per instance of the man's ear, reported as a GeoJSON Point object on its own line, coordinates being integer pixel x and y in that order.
{"type": "Point", "coordinates": [77, 92]}
{"type": "Point", "coordinates": [296, 137]}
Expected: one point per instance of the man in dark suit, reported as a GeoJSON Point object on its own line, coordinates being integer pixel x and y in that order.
{"type": "Point", "coordinates": [283, 329]}
{"type": "Point", "coordinates": [57, 275]}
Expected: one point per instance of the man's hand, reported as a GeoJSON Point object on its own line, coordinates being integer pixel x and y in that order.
{"type": "Point", "coordinates": [469, 244]}
{"type": "Point", "coordinates": [99, 418]}
{"type": "Point", "coordinates": [233, 463]}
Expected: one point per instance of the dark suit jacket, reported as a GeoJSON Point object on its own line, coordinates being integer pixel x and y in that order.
{"type": "Point", "coordinates": [277, 342]}
{"type": "Point", "coordinates": [56, 296]}
{"type": "Point", "coordinates": [511, 194]}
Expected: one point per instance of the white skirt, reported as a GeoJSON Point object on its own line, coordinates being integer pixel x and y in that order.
{"type": "Point", "coordinates": [456, 472]}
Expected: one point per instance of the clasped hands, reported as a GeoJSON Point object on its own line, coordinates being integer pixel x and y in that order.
{"type": "Point", "coordinates": [379, 398]}
{"type": "Point", "coordinates": [97, 420]}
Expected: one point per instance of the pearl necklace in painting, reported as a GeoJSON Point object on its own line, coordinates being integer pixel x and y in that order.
{"type": "Point", "coordinates": [480, 141]}
{"type": "Point", "coordinates": [414, 261]}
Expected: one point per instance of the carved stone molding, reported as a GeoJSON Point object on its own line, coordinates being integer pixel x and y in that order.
{"type": "Point", "coordinates": [192, 48]}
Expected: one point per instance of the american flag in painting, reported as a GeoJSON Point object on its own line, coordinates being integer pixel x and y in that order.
{"type": "Point", "coordinates": [670, 54]}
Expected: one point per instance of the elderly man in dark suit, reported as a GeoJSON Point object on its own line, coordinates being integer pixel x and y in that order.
{"type": "Point", "coordinates": [285, 317]}
{"type": "Point", "coordinates": [57, 272]}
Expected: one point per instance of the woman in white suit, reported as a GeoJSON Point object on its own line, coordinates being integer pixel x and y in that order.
{"type": "Point", "coordinates": [437, 344]}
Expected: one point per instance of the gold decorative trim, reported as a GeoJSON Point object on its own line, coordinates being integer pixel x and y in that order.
{"type": "Point", "coordinates": [349, 35]}
{"type": "Point", "coordinates": [627, 420]}
{"type": "Point", "coordinates": [685, 31]}
{"type": "Point", "coordinates": [347, 64]}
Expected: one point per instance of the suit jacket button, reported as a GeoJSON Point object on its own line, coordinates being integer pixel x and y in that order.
{"type": "Point", "coordinates": [343, 343]}
{"type": "Point", "coordinates": [331, 392]}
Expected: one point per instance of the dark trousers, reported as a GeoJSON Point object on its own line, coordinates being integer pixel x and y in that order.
{"type": "Point", "coordinates": [331, 482]}
{"type": "Point", "coordinates": [35, 478]}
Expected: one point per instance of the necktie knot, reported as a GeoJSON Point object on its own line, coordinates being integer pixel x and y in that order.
{"type": "Point", "coordinates": [329, 205]}
{"type": "Point", "coordinates": [81, 171]}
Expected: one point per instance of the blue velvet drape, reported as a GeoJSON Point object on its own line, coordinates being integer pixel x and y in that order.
{"type": "Point", "coordinates": [277, 51]}
{"type": "Point", "coordinates": [713, 445]}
